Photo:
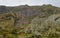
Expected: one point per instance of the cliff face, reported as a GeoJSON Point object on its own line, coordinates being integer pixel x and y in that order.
{"type": "Point", "coordinates": [25, 10]}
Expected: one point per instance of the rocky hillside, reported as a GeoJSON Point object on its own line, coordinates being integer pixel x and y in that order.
{"type": "Point", "coordinates": [30, 21]}
{"type": "Point", "coordinates": [31, 10]}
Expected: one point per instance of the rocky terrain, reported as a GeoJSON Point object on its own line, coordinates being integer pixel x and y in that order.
{"type": "Point", "coordinates": [30, 21]}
